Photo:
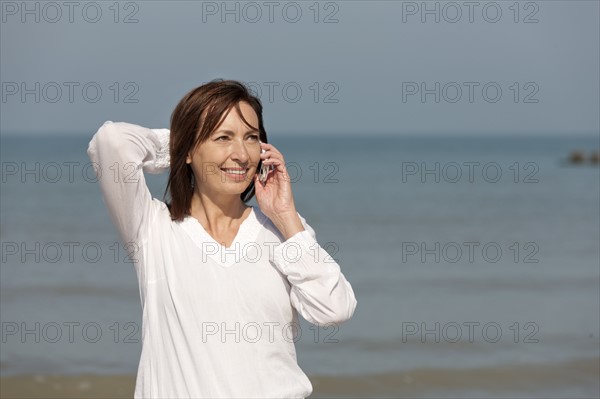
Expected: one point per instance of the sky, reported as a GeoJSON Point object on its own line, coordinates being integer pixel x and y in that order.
{"type": "Point", "coordinates": [330, 67]}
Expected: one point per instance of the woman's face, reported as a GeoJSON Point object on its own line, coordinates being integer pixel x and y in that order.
{"type": "Point", "coordinates": [226, 162]}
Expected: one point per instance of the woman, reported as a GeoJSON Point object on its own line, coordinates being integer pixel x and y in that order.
{"type": "Point", "coordinates": [221, 282]}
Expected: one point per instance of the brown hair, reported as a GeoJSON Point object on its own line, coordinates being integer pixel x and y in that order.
{"type": "Point", "coordinates": [193, 120]}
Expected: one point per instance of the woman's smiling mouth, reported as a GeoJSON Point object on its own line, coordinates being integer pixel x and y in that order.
{"type": "Point", "coordinates": [235, 173]}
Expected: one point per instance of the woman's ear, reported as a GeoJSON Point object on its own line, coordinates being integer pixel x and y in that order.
{"type": "Point", "coordinates": [188, 159]}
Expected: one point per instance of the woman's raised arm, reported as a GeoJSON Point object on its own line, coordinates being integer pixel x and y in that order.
{"type": "Point", "coordinates": [121, 151]}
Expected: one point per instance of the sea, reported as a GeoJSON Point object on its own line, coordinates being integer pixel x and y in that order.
{"type": "Point", "coordinates": [475, 262]}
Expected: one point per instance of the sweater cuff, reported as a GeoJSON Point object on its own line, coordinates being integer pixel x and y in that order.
{"type": "Point", "coordinates": [297, 249]}
{"type": "Point", "coordinates": [163, 159]}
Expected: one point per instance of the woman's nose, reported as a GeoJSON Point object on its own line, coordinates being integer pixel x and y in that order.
{"type": "Point", "coordinates": [240, 152]}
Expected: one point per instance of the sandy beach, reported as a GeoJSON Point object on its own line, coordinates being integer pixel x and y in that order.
{"type": "Point", "coordinates": [524, 381]}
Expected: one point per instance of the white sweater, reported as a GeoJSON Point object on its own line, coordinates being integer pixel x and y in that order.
{"type": "Point", "coordinates": [217, 322]}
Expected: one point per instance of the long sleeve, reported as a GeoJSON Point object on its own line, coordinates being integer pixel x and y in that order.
{"type": "Point", "coordinates": [120, 152]}
{"type": "Point", "coordinates": [319, 290]}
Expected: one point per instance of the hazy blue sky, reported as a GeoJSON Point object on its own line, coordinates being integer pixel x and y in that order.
{"type": "Point", "coordinates": [363, 72]}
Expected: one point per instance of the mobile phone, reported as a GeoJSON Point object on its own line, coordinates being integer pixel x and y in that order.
{"type": "Point", "coordinates": [264, 170]}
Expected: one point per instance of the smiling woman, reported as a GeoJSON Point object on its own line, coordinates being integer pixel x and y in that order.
{"type": "Point", "coordinates": [221, 282]}
{"type": "Point", "coordinates": [201, 111]}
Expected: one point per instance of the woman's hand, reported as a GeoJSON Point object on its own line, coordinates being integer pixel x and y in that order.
{"type": "Point", "coordinates": [274, 196]}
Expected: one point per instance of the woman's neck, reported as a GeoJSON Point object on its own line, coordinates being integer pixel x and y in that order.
{"type": "Point", "coordinates": [223, 212]}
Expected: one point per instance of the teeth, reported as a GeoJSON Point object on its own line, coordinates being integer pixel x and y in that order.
{"type": "Point", "coordinates": [235, 172]}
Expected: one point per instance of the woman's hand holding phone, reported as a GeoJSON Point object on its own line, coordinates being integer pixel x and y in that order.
{"type": "Point", "coordinates": [274, 194]}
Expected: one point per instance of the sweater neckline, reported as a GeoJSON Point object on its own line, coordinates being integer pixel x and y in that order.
{"type": "Point", "coordinates": [224, 256]}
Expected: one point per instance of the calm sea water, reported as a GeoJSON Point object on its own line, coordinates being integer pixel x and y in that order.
{"type": "Point", "coordinates": [464, 253]}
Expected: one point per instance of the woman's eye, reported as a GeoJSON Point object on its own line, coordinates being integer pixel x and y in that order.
{"type": "Point", "coordinates": [222, 137]}
{"type": "Point", "coordinates": [254, 137]}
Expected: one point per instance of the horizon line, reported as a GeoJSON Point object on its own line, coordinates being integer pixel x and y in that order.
{"type": "Point", "coordinates": [330, 134]}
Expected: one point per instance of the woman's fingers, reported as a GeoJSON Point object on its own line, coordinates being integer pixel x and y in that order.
{"type": "Point", "coordinates": [269, 148]}
{"type": "Point", "coordinates": [271, 159]}
{"type": "Point", "coordinates": [271, 155]}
